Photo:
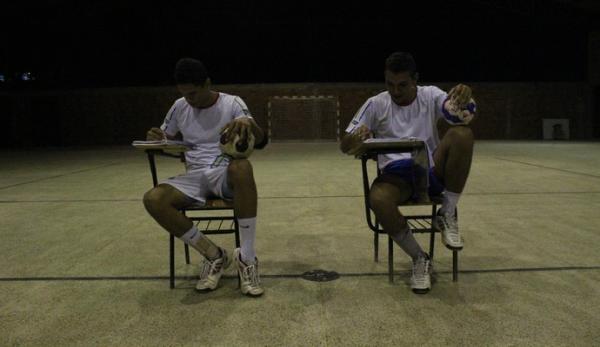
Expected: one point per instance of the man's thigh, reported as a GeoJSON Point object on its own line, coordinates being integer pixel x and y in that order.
{"type": "Point", "coordinates": [193, 185]}
{"type": "Point", "coordinates": [216, 181]}
{"type": "Point", "coordinates": [172, 196]}
{"type": "Point", "coordinates": [392, 187]}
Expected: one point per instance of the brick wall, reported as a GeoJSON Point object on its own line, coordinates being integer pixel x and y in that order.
{"type": "Point", "coordinates": [119, 115]}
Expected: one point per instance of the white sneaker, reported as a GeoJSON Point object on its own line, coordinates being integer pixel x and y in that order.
{"type": "Point", "coordinates": [449, 227]}
{"type": "Point", "coordinates": [420, 281]}
{"type": "Point", "coordinates": [249, 279]}
{"type": "Point", "coordinates": [212, 270]}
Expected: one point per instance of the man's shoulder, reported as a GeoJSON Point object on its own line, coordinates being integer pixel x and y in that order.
{"type": "Point", "coordinates": [230, 103]}
{"type": "Point", "coordinates": [180, 103]}
{"type": "Point", "coordinates": [380, 99]}
{"type": "Point", "coordinates": [429, 91]}
{"type": "Point", "coordinates": [179, 108]}
{"type": "Point", "coordinates": [383, 96]}
{"type": "Point", "coordinates": [225, 96]}
{"type": "Point", "coordinates": [226, 99]}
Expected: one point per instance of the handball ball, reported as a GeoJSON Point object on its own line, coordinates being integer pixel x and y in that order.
{"type": "Point", "coordinates": [237, 147]}
{"type": "Point", "coordinates": [456, 115]}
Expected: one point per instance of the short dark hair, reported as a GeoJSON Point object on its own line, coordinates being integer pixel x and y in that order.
{"type": "Point", "coordinates": [188, 70]}
{"type": "Point", "coordinates": [401, 62]}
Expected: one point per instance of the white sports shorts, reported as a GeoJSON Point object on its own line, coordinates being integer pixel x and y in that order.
{"type": "Point", "coordinates": [201, 184]}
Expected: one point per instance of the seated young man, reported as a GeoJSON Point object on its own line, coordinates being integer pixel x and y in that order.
{"type": "Point", "coordinates": [200, 117]}
{"type": "Point", "coordinates": [408, 110]}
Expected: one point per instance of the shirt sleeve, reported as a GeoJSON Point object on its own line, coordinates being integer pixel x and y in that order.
{"type": "Point", "coordinates": [439, 97]}
{"type": "Point", "coordinates": [364, 116]}
{"type": "Point", "coordinates": [240, 110]}
{"type": "Point", "coordinates": [169, 125]}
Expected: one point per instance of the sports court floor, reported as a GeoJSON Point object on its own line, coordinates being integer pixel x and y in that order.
{"type": "Point", "coordinates": [82, 263]}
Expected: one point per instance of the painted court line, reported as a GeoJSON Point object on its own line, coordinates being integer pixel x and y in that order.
{"type": "Point", "coordinates": [57, 176]}
{"type": "Point", "coordinates": [138, 200]}
{"type": "Point", "coordinates": [548, 167]}
{"type": "Point", "coordinates": [350, 274]}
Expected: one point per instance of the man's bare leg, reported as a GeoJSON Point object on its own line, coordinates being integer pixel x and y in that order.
{"type": "Point", "coordinates": [453, 158]}
{"type": "Point", "coordinates": [163, 203]}
{"type": "Point", "coordinates": [384, 199]}
{"type": "Point", "coordinates": [452, 165]}
{"type": "Point", "coordinates": [387, 192]}
{"type": "Point", "coordinates": [240, 178]}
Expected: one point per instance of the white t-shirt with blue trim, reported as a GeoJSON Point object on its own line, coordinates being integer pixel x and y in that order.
{"type": "Point", "coordinates": [201, 128]}
{"type": "Point", "coordinates": [418, 120]}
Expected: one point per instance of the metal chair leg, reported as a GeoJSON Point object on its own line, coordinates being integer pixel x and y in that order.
{"type": "Point", "coordinates": [454, 266]}
{"type": "Point", "coordinates": [391, 259]}
{"type": "Point", "coordinates": [237, 245]}
{"type": "Point", "coordinates": [432, 236]}
{"type": "Point", "coordinates": [237, 233]}
{"type": "Point", "coordinates": [172, 261]}
{"type": "Point", "coordinates": [187, 253]}
{"type": "Point", "coordinates": [455, 256]}
{"type": "Point", "coordinates": [431, 243]}
{"type": "Point", "coordinates": [376, 246]}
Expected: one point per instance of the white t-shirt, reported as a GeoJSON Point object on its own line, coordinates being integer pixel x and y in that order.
{"type": "Point", "coordinates": [386, 119]}
{"type": "Point", "coordinates": [201, 127]}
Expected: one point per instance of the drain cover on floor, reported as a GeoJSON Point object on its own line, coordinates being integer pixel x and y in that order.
{"type": "Point", "coordinates": [320, 275]}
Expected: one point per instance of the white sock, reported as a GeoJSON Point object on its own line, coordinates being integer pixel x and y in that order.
{"type": "Point", "coordinates": [406, 240]}
{"type": "Point", "coordinates": [449, 203]}
{"type": "Point", "coordinates": [191, 236]}
{"type": "Point", "coordinates": [201, 243]}
{"type": "Point", "coordinates": [247, 236]}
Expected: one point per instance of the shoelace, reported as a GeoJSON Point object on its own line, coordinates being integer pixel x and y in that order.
{"type": "Point", "coordinates": [451, 227]}
{"type": "Point", "coordinates": [250, 274]}
{"type": "Point", "coordinates": [210, 267]}
{"type": "Point", "coordinates": [421, 266]}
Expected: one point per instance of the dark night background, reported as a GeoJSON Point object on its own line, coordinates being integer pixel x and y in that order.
{"type": "Point", "coordinates": [68, 44]}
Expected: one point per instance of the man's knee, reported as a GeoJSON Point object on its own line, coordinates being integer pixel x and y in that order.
{"type": "Point", "coordinates": [239, 169]}
{"type": "Point", "coordinates": [462, 134]}
{"type": "Point", "coordinates": [159, 198]}
{"type": "Point", "coordinates": [152, 199]}
{"type": "Point", "coordinates": [380, 199]}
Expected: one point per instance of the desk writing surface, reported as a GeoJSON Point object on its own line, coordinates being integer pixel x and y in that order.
{"type": "Point", "coordinates": [389, 145]}
{"type": "Point", "coordinates": [168, 145]}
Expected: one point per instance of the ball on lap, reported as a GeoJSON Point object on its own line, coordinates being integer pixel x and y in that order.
{"type": "Point", "coordinates": [237, 147]}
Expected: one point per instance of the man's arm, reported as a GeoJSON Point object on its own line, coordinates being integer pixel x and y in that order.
{"type": "Point", "coordinates": [169, 124]}
{"type": "Point", "coordinates": [459, 107]}
{"type": "Point", "coordinates": [157, 134]}
{"type": "Point", "coordinates": [243, 125]}
{"type": "Point", "coordinates": [461, 94]}
{"type": "Point", "coordinates": [358, 131]}
{"type": "Point", "coordinates": [260, 137]}
{"type": "Point", "coordinates": [348, 141]}
{"type": "Point", "coordinates": [352, 141]}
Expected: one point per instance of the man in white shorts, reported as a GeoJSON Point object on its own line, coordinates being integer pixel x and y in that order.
{"type": "Point", "coordinates": [406, 110]}
{"type": "Point", "coordinates": [200, 117]}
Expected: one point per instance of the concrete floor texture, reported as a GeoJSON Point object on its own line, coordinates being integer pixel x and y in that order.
{"type": "Point", "coordinates": [83, 264]}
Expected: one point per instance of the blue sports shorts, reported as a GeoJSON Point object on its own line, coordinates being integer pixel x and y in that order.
{"type": "Point", "coordinates": [405, 169]}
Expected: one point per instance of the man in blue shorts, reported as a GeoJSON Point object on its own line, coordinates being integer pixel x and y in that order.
{"type": "Point", "coordinates": [407, 110]}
